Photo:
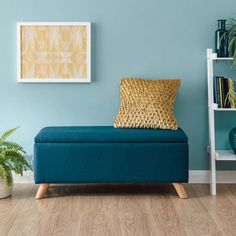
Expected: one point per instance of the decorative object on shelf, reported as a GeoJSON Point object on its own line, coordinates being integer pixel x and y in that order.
{"type": "Point", "coordinates": [231, 95]}
{"type": "Point", "coordinates": [11, 159]}
{"type": "Point", "coordinates": [224, 92]}
{"type": "Point", "coordinates": [221, 39]}
{"type": "Point", "coordinates": [53, 52]}
{"type": "Point", "coordinates": [232, 139]}
{"type": "Point", "coordinates": [232, 39]}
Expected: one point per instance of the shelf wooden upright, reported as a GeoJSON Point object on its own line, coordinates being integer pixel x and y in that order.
{"type": "Point", "coordinates": [215, 155]}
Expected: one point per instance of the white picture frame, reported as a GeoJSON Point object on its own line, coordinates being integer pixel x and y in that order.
{"type": "Point", "coordinates": [22, 78]}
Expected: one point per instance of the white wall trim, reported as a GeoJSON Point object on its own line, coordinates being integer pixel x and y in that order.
{"type": "Point", "coordinates": [195, 176]}
{"type": "Point", "coordinates": [203, 176]}
{"type": "Point", "coordinates": [27, 178]}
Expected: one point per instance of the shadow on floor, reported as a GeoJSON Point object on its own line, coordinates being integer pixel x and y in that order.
{"type": "Point", "coordinates": [110, 189]}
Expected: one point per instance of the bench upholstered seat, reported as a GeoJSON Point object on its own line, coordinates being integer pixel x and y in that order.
{"type": "Point", "coordinates": [104, 154]}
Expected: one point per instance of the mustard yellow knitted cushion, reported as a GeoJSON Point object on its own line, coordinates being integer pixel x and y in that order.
{"type": "Point", "coordinates": [147, 104]}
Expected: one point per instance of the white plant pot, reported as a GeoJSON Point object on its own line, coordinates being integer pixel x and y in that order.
{"type": "Point", "coordinates": [5, 190]}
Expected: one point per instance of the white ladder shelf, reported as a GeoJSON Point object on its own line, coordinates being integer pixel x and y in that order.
{"type": "Point", "coordinates": [215, 155]}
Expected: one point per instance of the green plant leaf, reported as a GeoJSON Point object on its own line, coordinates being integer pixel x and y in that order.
{"type": "Point", "coordinates": [7, 134]}
{"type": "Point", "coordinates": [232, 42]}
{"type": "Point", "coordinates": [232, 38]}
{"type": "Point", "coordinates": [5, 174]}
{"type": "Point", "coordinates": [12, 158]}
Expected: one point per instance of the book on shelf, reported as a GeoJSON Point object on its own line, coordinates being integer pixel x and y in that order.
{"type": "Point", "coordinates": [223, 89]}
{"type": "Point", "coordinates": [220, 92]}
{"type": "Point", "coordinates": [216, 90]}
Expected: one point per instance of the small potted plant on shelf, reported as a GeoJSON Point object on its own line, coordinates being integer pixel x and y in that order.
{"type": "Point", "coordinates": [11, 159]}
{"type": "Point", "coordinates": [232, 38]}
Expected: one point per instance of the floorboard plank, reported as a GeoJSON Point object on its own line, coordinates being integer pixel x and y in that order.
{"type": "Point", "coordinates": [119, 210]}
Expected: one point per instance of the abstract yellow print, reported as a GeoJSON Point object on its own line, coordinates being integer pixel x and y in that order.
{"type": "Point", "coordinates": [56, 52]}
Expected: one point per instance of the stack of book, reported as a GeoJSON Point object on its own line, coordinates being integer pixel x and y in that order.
{"type": "Point", "coordinates": [224, 94]}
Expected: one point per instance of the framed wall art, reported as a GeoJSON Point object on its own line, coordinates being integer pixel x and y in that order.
{"type": "Point", "coordinates": [53, 52]}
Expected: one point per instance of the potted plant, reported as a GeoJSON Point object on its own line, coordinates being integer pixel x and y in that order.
{"type": "Point", "coordinates": [11, 159]}
{"type": "Point", "coordinates": [232, 39]}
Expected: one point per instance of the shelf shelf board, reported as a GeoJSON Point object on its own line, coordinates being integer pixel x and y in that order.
{"type": "Point", "coordinates": [225, 109]}
{"type": "Point", "coordinates": [225, 155]}
{"type": "Point", "coordinates": [214, 106]}
{"type": "Point", "coordinates": [215, 58]}
{"type": "Point", "coordinates": [223, 59]}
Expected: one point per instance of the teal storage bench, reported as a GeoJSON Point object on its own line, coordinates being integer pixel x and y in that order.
{"type": "Point", "coordinates": [104, 154]}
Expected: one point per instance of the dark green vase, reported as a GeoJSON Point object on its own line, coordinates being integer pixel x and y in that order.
{"type": "Point", "coordinates": [232, 139]}
{"type": "Point", "coordinates": [221, 39]}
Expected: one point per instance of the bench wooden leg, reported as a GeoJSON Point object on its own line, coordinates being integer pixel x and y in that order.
{"type": "Point", "coordinates": [180, 190]}
{"type": "Point", "coordinates": [41, 191]}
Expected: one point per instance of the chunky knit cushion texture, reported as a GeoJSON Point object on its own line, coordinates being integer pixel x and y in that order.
{"type": "Point", "coordinates": [147, 104]}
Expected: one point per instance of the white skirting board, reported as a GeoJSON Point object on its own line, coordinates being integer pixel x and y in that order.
{"type": "Point", "coordinates": [195, 176]}
{"type": "Point", "coordinates": [27, 178]}
{"type": "Point", "coordinates": [203, 176]}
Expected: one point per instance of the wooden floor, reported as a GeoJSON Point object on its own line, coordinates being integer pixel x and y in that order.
{"type": "Point", "coordinates": [119, 210]}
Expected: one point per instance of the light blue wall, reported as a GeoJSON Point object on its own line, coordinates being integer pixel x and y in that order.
{"type": "Point", "coordinates": [150, 39]}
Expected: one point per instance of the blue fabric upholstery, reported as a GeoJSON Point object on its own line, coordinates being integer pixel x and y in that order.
{"type": "Point", "coordinates": [108, 134]}
{"type": "Point", "coordinates": [108, 155]}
